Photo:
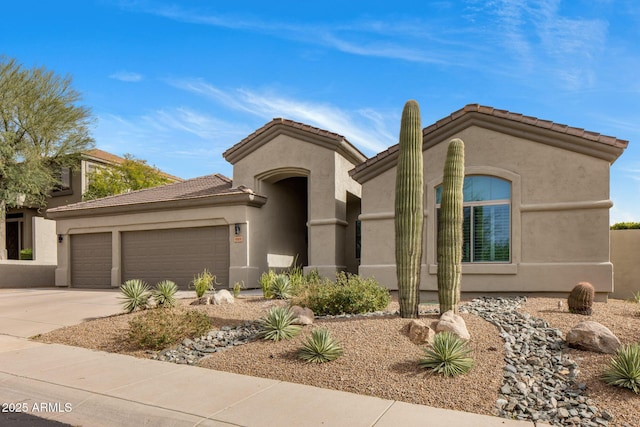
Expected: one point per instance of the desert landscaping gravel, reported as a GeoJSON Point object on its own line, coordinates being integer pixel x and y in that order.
{"type": "Point", "coordinates": [379, 359]}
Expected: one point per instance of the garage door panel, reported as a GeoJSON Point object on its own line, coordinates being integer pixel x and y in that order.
{"type": "Point", "coordinates": [176, 254]}
{"type": "Point", "coordinates": [91, 260]}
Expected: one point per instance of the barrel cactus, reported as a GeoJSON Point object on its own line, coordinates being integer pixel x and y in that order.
{"type": "Point", "coordinates": [581, 299]}
{"type": "Point", "coordinates": [450, 228]}
{"type": "Point", "coordinates": [409, 210]}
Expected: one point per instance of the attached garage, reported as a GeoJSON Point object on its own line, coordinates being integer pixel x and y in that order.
{"type": "Point", "coordinates": [176, 254]}
{"type": "Point", "coordinates": [91, 260]}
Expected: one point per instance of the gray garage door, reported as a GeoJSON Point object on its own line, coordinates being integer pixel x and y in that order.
{"type": "Point", "coordinates": [176, 254]}
{"type": "Point", "coordinates": [91, 260]}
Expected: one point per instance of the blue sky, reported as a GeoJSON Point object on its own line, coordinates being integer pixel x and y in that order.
{"type": "Point", "coordinates": [178, 82]}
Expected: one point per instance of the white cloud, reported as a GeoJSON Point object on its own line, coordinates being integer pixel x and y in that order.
{"type": "Point", "coordinates": [364, 128]}
{"type": "Point", "coordinates": [126, 76]}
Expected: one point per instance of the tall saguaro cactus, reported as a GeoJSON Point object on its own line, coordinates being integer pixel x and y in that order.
{"type": "Point", "coordinates": [450, 228]}
{"type": "Point", "coordinates": [409, 210]}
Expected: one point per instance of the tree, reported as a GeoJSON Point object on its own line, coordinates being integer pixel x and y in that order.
{"type": "Point", "coordinates": [42, 129]}
{"type": "Point", "coordinates": [132, 174]}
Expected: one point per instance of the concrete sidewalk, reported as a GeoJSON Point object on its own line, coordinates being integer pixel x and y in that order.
{"type": "Point", "coordinates": [92, 388]}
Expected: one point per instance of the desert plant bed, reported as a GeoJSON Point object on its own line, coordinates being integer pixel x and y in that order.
{"type": "Point", "coordinates": [380, 360]}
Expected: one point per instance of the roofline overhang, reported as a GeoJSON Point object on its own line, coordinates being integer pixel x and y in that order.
{"type": "Point", "coordinates": [232, 199]}
{"type": "Point", "coordinates": [342, 146]}
{"type": "Point", "coordinates": [435, 134]}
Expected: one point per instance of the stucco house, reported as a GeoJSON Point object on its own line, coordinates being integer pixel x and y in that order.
{"type": "Point", "coordinates": [536, 210]}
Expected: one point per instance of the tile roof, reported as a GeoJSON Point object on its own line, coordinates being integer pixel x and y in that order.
{"type": "Point", "coordinates": [338, 141]}
{"type": "Point", "coordinates": [103, 155]}
{"type": "Point", "coordinates": [196, 188]}
{"type": "Point", "coordinates": [491, 112]}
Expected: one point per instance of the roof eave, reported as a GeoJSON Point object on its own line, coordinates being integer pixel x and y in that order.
{"type": "Point", "coordinates": [233, 199]}
{"type": "Point", "coordinates": [342, 146]}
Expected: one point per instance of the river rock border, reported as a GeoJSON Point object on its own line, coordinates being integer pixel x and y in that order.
{"type": "Point", "coordinates": [540, 381]}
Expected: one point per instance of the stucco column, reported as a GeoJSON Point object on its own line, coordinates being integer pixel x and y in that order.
{"type": "Point", "coordinates": [326, 246]}
{"type": "Point", "coordinates": [63, 275]}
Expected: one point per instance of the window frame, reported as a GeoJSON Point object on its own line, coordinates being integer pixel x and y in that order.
{"type": "Point", "coordinates": [472, 205]}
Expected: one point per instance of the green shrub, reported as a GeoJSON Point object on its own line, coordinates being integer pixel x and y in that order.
{"type": "Point", "coordinates": [165, 293]}
{"type": "Point", "coordinates": [135, 294]}
{"type": "Point", "coordinates": [447, 355]}
{"type": "Point", "coordinates": [237, 287]}
{"type": "Point", "coordinates": [278, 325]}
{"type": "Point", "coordinates": [625, 226]}
{"type": "Point", "coordinates": [624, 368]}
{"type": "Point", "coordinates": [158, 329]}
{"type": "Point", "coordinates": [635, 298]}
{"type": "Point", "coordinates": [203, 282]}
{"type": "Point", "coordinates": [349, 294]}
{"type": "Point", "coordinates": [266, 283]}
{"type": "Point", "coordinates": [320, 347]}
{"type": "Point", "coordinates": [26, 254]}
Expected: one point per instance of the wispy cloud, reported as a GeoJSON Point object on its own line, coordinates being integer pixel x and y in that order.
{"type": "Point", "coordinates": [545, 42]}
{"type": "Point", "coordinates": [164, 135]}
{"type": "Point", "coordinates": [365, 128]}
{"type": "Point", "coordinates": [126, 76]}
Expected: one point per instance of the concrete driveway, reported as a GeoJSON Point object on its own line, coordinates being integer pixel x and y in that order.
{"type": "Point", "coordinates": [28, 312]}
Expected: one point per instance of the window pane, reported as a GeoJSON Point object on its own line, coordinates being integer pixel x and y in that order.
{"type": "Point", "coordinates": [480, 188]}
{"type": "Point", "coordinates": [491, 233]}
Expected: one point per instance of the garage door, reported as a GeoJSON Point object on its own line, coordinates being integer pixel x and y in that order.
{"type": "Point", "coordinates": [176, 254]}
{"type": "Point", "coordinates": [91, 260]}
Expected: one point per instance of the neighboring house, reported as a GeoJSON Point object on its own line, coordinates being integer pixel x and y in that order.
{"type": "Point", "coordinates": [536, 211]}
{"type": "Point", "coordinates": [73, 184]}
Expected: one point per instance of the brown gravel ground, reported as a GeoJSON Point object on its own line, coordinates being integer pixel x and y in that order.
{"type": "Point", "coordinates": [379, 360]}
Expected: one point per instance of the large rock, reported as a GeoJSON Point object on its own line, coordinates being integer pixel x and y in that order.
{"type": "Point", "coordinates": [420, 332]}
{"type": "Point", "coordinates": [303, 315]}
{"type": "Point", "coordinates": [222, 296]}
{"type": "Point", "coordinates": [593, 336]}
{"type": "Point", "coordinates": [449, 321]}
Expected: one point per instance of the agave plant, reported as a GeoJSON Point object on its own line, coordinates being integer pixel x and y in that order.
{"type": "Point", "coordinates": [320, 347]}
{"type": "Point", "coordinates": [624, 368]}
{"type": "Point", "coordinates": [135, 294]}
{"type": "Point", "coordinates": [278, 325]}
{"type": "Point", "coordinates": [281, 287]}
{"type": "Point", "coordinates": [447, 355]}
{"type": "Point", "coordinates": [165, 293]}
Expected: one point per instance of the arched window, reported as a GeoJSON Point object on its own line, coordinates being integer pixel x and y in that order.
{"type": "Point", "coordinates": [487, 219]}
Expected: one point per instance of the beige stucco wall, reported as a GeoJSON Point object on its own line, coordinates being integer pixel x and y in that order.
{"type": "Point", "coordinates": [625, 256]}
{"type": "Point", "coordinates": [559, 216]}
{"type": "Point", "coordinates": [328, 182]}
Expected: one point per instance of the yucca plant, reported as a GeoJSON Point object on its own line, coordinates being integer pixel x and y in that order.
{"type": "Point", "coordinates": [281, 287]}
{"type": "Point", "coordinates": [135, 294]}
{"type": "Point", "coordinates": [320, 347]}
{"type": "Point", "coordinates": [278, 325]}
{"type": "Point", "coordinates": [447, 355]}
{"type": "Point", "coordinates": [165, 293]}
{"type": "Point", "coordinates": [635, 298]}
{"type": "Point", "coordinates": [624, 368]}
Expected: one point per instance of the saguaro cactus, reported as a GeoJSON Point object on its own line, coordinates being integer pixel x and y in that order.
{"type": "Point", "coordinates": [409, 210]}
{"type": "Point", "coordinates": [450, 228]}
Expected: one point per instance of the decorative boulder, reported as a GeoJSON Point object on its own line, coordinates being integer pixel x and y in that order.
{"type": "Point", "coordinates": [449, 321]}
{"type": "Point", "coordinates": [592, 336]}
{"type": "Point", "coordinates": [223, 296]}
{"type": "Point", "coordinates": [420, 332]}
{"type": "Point", "coordinates": [205, 300]}
{"type": "Point", "coordinates": [302, 315]}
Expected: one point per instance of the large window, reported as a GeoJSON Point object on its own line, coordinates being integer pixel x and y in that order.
{"type": "Point", "coordinates": [487, 219]}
